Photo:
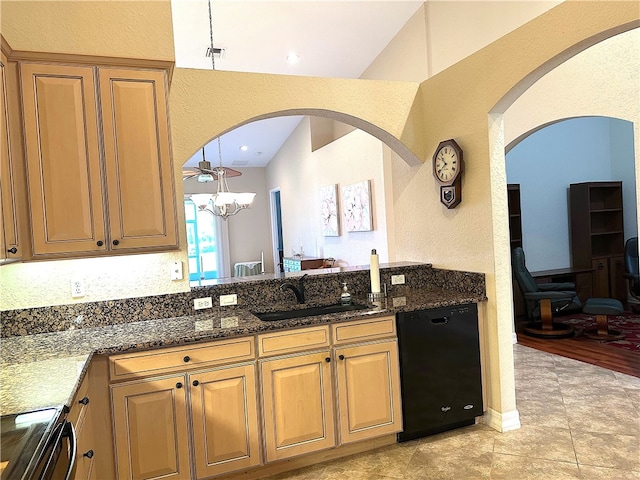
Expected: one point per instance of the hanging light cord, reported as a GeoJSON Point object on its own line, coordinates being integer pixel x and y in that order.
{"type": "Point", "coordinates": [213, 60]}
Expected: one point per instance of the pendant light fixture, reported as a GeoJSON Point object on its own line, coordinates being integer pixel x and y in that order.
{"type": "Point", "coordinates": [224, 203]}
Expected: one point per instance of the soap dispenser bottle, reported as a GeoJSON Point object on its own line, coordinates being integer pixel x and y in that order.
{"type": "Point", "coordinates": [345, 296]}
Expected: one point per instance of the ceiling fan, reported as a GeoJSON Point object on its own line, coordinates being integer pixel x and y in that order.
{"type": "Point", "coordinates": [205, 173]}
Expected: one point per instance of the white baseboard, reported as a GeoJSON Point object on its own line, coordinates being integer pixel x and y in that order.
{"type": "Point", "coordinates": [502, 422]}
{"type": "Point", "coordinates": [514, 338]}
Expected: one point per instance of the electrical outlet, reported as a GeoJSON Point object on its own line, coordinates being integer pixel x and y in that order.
{"type": "Point", "coordinates": [226, 300]}
{"type": "Point", "coordinates": [397, 279]}
{"type": "Point", "coordinates": [77, 287]}
{"type": "Point", "coordinates": [399, 301]}
{"type": "Point", "coordinates": [200, 303]}
{"type": "Point", "coordinates": [175, 271]}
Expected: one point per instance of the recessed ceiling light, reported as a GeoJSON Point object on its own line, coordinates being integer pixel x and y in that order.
{"type": "Point", "coordinates": [292, 58]}
{"type": "Point", "coordinates": [244, 148]}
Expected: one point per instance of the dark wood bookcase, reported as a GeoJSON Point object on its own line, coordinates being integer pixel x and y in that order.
{"type": "Point", "coordinates": [515, 215]}
{"type": "Point", "coordinates": [515, 239]}
{"type": "Point", "coordinates": [597, 235]}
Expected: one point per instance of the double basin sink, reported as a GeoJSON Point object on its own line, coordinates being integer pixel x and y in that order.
{"type": "Point", "coordinates": [308, 312]}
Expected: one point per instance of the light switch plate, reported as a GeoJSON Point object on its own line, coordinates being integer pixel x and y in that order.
{"type": "Point", "coordinates": [397, 279]}
{"type": "Point", "coordinates": [226, 300]}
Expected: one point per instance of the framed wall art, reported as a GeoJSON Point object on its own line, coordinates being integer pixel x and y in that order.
{"type": "Point", "coordinates": [329, 211]}
{"type": "Point", "coordinates": [356, 205]}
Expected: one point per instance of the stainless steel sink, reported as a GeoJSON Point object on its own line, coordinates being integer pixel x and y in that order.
{"type": "Point", "coordinates": [308, 312]}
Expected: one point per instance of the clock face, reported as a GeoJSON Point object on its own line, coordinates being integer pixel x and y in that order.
{"type": "Point", "coordinates": [447, 164]}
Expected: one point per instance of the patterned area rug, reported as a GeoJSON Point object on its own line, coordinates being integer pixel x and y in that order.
{"type": "Point", "coordinates": [627, 323]}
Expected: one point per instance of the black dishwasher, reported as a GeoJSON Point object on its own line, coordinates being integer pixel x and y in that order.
{"type": "Point", "coordinates": [439, 369]}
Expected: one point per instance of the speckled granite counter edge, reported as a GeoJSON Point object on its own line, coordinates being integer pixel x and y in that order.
{"type": "Point", "coordinates": [322, 287]}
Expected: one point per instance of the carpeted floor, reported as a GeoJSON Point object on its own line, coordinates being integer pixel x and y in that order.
{"type": "Point", "coordinates": [627, 323]}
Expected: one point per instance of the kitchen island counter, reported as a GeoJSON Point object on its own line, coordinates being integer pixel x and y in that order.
{"type": "Point", "coordinates": [44, 370]}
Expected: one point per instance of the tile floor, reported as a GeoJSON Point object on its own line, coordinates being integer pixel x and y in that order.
{"type": "Point", "coordinates": [579, 421]}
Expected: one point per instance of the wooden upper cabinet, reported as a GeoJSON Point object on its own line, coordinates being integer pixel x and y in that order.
{"type": "Point", "coordinates": [99, 181]}
{"type": "Point", "coordinates": [138, 163]}
{"type": "Point", "coordinates": [9, 245]}
{"type": "Point", "coordinates": [63, 158]}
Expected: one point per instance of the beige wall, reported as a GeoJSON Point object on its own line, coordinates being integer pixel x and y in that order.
{"type": "Point", "coordinates": [299, 173]}
{"type": "Point", "coordinates": [129, 29]}
{"type": "Point", "coordinates": [458, 28]}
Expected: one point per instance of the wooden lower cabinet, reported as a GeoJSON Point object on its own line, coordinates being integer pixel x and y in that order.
{"type": "Point", "coordinates": [224, 417]}
{"type": "Point", "coordinates": [153, 419]}
{"type": "Point", "coordinates": [150, 428]}
{"type": "Point", "coordinates": [368, 379]}
{"type": "Point", "coordinates": [312, 389]}
{"type": "Point", "coordinates": [617, 278]}
{"type": "Point", "coordinates": [608, 278]}
{"type": "Point", "coordinates": [297, 395]}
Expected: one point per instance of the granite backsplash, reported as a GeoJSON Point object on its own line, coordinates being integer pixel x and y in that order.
{"type": "Point", "coordinates": [254, 293]}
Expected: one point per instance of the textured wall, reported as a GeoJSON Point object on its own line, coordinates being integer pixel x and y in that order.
{"type": "Point", "coordinates": [129, 29]}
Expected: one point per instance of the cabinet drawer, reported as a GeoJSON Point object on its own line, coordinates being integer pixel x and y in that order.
{"type": "Point", "coordinates": [154, 362]}
{"type": "Point", "coordinates": [278, 343]}
{"type": "Point", "coordinates": [369, 329]}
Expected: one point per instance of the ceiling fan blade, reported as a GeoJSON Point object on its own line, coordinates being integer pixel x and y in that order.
{"type": "Point", "coordinates": [230, 172]}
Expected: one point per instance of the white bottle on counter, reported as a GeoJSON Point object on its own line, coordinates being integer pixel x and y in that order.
{"type": "Point", "coordinates": [375, 272]}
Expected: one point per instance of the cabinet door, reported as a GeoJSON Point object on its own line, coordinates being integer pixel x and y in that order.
{"type": "Point", "coordinates": [616, 279]}
{"type": "Point", "coordinates": [601, 278]}
{"type": "Point", "coordinates": [224, 417]}
{"type": "Point", "coordinates": [63, 161]}
{"type": "Point", "coordinates": [9, 246]}
{"type": "Point", "coordinates": [150, 429]}
{"type": "Point", "coordinates": [297, 405]}
{"type": "Point", "coordinates": [138, 164]}
{"type": "Point", "coordinates": [368, 378]}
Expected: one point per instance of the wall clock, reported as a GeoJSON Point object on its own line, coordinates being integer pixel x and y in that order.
{"type": "Point", "coordinates": [447, 168]}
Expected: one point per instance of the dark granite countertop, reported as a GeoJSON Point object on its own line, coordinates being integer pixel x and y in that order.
{"type": "Point", "coordinates": [44, 370]}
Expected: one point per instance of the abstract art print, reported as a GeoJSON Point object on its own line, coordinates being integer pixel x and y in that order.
{"type": "Point", "coordinates": [356, 205]}
{"type": "Point", "coordinates": [329, 211]}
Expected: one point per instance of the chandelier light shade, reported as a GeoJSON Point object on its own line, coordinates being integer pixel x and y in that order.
{"type": "Point", "coordinates": [223, 203]}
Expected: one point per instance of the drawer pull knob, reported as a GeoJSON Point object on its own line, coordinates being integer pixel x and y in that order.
{"type": "Point", "coordinates": [84, 401]}
{"type": "Point", "coordinates": [196, 383]}
{"type": "Point", "coordinates": [327, 359]}
{"type": "Point", "coordinates": [186, 358]}
{"type": "Point", "coordinates": [88, 454]}
{"type": "Point", "coordinates": [13, 250]}
{"type": "Point", "coordinates": [100, 243]}
{"type": "Point", "coordinates": [341, 357]}
{"type": "Point", "coordinates": [116, 242]}
{"type": "Point", "coordinates": [179, 385]}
